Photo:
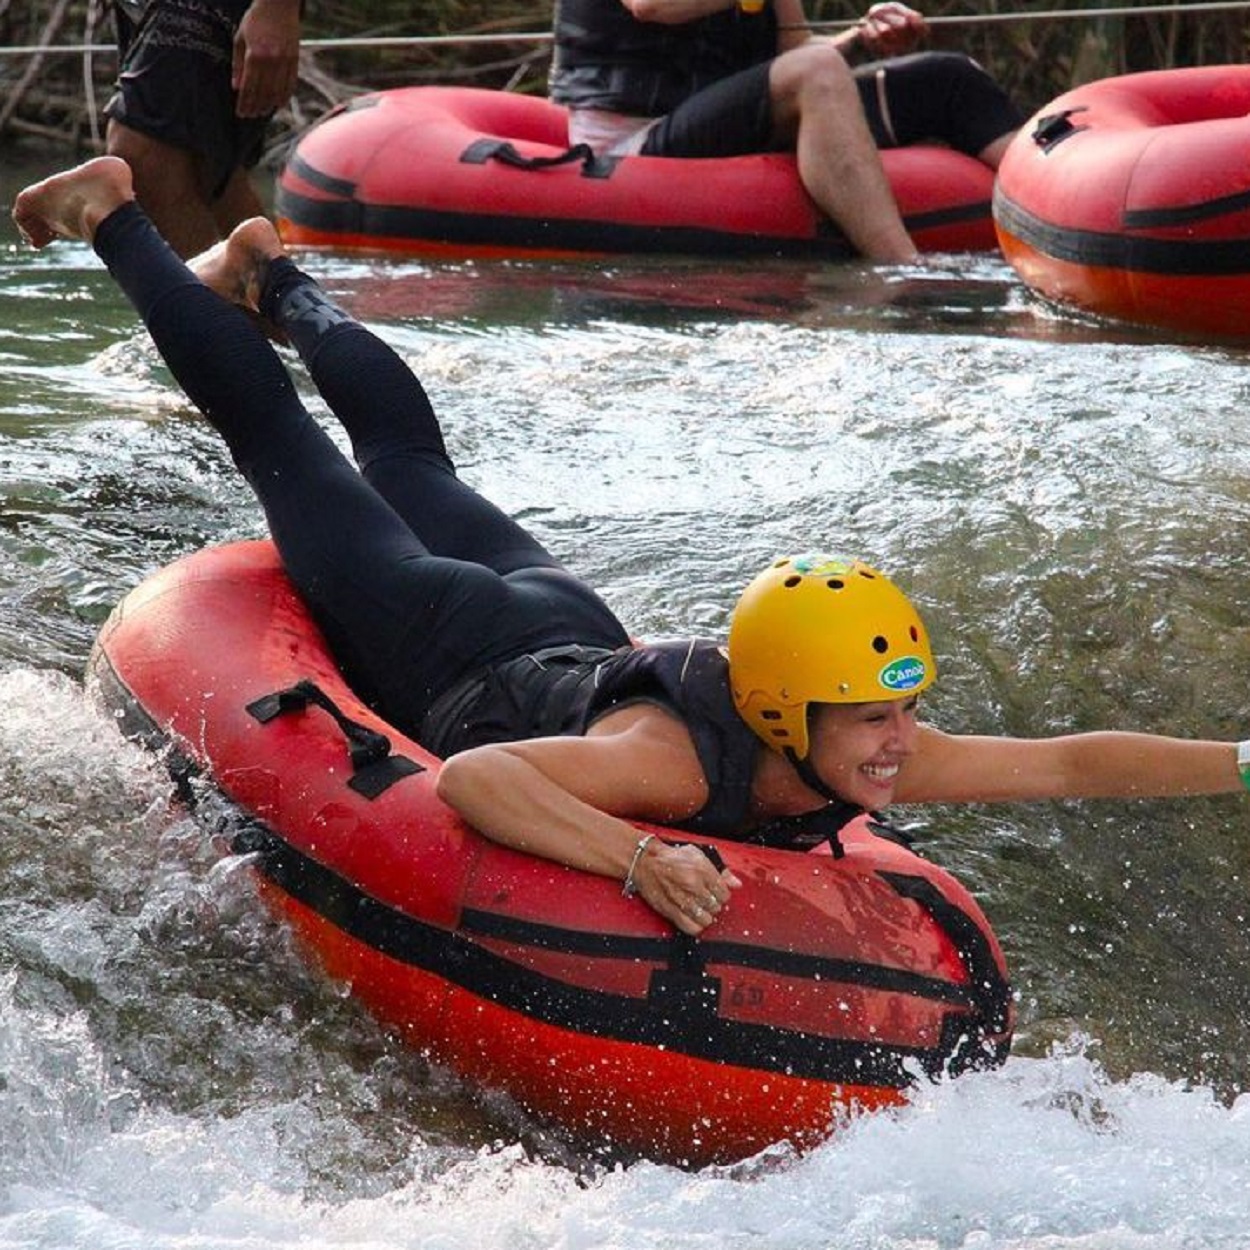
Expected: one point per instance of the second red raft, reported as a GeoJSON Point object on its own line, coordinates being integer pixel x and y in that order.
{"type": "Point", "coordinates": [1130, 198]}
{"type": "Point", "coordinates": [465, 171]}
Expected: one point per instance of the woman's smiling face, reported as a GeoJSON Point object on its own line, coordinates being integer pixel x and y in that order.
{"type": "Point", "coordinates": [858, 748]}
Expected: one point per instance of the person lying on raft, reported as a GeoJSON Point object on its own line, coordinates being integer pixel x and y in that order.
{"type": "Point", "coordinates": [462, 630]}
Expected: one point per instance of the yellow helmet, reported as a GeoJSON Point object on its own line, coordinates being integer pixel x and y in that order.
{"type": "Point", "coordinates": [821, 629]}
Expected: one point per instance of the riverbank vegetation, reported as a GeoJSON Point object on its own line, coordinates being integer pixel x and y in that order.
{"type": "Point", "coordinates": [57, 63]}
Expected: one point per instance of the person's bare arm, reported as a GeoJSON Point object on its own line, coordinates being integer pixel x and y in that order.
{"type": "Point", "coordinates": [888, 29]}
{"type": "Point", "coordinates": [571, 800]}
{"type": "Point", "coordinates": [266, 56]}
{"type": "Point", "coordinates": [948, 768]}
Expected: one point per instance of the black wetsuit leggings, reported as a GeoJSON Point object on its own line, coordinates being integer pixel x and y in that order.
{"type": "Point", "coordinates": [416, 579]}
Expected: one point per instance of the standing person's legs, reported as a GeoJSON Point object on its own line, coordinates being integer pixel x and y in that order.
{"type": "Point", "coordinates": [170, 187]}
{"type": "Point", "coordinates": [236, 202]}
{"type": "Point", "coordinates": [172, 119]}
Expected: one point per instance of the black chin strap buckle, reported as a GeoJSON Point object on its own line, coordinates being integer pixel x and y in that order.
{"type": "Point", "coordinates": [831, 819]}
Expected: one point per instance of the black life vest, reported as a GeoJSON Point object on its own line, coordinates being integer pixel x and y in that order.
{"type": "Point", "coordinates": [605, 58]}
{"type": "Point", "coordinates": [564, 690]}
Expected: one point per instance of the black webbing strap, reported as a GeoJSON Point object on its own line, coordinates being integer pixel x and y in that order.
{"type": "Point", "coordinates": [482, 150]}
{"type": "Point", "coordinates": [985, 1044]}
{"type": "Point", "coordinates": [807, 830]}
{"type": "Point", "coordinates": [683, 990]}
{"type": "Point", "coordinates": [1056, 127]}
{"type": "Point", "coordinates": [374, 768]}
{"type": "Point", "coordinates": [838, 806]}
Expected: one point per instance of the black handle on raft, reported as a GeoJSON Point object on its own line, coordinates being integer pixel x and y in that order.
{"type": "Point", "coordinates": [374, 768]}
{"type": "Point", "coordinates": [986, 1044]}
{"type": "Point", "coordinates": [482, 150]}
{"type": "Point", "coordinates": [718, 860]}
{"type": "Point", "coordinates": [1056, 127]}
{"type": "Point", "coordinates": [684, 991]}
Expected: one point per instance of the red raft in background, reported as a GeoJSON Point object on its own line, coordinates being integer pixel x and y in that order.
{"type": "Point", "coordinates": [467, 172]}
{"type": "Point", "coordinates": [830, 985]}
{"type": "Point", "coordinates": [1130, 198]}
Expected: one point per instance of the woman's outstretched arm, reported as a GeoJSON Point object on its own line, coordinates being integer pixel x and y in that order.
{"type": "Point", "coordinates": [950, 768]}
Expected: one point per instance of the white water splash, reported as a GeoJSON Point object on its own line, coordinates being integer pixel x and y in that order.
{"type": "Point", "coordinates": [1046, 1154]}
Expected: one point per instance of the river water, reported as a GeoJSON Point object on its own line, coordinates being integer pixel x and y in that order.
{"type": "Point", "coordinates": [1069, 504]}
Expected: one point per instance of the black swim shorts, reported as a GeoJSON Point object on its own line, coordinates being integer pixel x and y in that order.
{"type": "Point", "coordinates": [939, 97]}
{"type": "Point", "coordinates": [730, 118]}
{"type": "Point", "coordinates": [174, 84]}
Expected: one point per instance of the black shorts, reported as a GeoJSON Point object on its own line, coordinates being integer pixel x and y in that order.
{"type": "Point", "coordinates": [942, 97]}
{"type": "Point", "coordinates": [730, 118]}
{"type": "Point", "coordinates": [174, 84]}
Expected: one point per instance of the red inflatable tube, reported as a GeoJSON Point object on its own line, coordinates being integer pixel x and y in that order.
{"type": "Point", "coordinates": [831, 984]}
{"type": "Point", "coordinates": [463, 171]}
{"type": "Point", "coordinates": [1130, 198]}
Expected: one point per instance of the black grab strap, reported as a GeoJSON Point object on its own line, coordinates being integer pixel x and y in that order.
{"type": "Point", "coordinates": [807, 830]}
{"type": "Point", "coordinates": [482, 150]}
{"type": "Point", "coordinates": [1054, 128]}
{"type": "Point", "coordinates": [374, 768]}
{"type": "Point", "coordinates": [987, 1044]}
{"type": "Point", "coordinates": [684, 990]}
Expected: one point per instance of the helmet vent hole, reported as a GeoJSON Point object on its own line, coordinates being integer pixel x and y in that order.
{"type": "Point", "coordinates": [792, 582]}
{"type": "Point", "coordinates": [835, 583]}
{"type": "Point", "coordinates": [880, 645]}
{"type": "Point", "coordinates": [770, 714]}
{"type": "Point", "coordinates": [915, 634]}
{"type": "Point", "coordinates": [864, 573]}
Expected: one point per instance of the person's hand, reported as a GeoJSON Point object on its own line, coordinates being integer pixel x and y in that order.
{"type": "Point", "coordinates": [890, 29]}
{"type": "Point", "coordinates": [266, 57]}
{"type": "Point", "coordinates": [683, 885]}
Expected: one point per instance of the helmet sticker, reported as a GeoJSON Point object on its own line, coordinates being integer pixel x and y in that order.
{"type": "Point", "coordinates": [903, 674]}
{"type": "Point", "coordinates": [815, 564]}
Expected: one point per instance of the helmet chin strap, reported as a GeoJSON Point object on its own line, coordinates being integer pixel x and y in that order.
{"type": "Point", "coordinates": [813, 780]}
{"type": "Point", "coordinates": [839, 811]}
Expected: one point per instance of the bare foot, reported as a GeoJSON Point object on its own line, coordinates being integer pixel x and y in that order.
{"type": "Point", "coordinates": [72, 204]}
{"type": "Point", "coordinates": [235, 268]}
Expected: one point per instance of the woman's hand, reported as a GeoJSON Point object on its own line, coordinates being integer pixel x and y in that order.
{"type": "Point", "coordinates": [890, 29]}
{"type": "Point", "coordinates": [571, 799]}
{"type": "Point", "coordinates": [683, 885]}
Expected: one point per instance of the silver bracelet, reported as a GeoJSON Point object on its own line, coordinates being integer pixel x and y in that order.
{"type": "Point", "coordinates": [630, 889]}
